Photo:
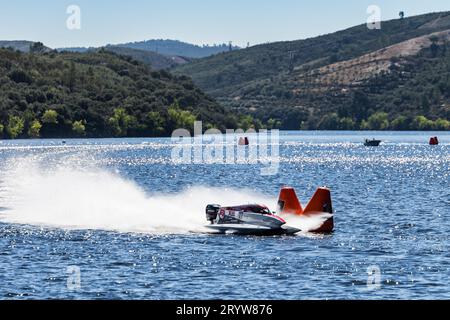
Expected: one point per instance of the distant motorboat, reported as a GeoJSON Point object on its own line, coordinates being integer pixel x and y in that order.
{"type": "Point", "coordinates": [372, 143]}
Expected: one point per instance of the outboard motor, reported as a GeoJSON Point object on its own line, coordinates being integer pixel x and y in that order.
{"type": "Point", "coordinates": [212, 210]}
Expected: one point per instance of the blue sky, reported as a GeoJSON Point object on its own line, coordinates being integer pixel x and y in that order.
{"type": "Point", "coordinates": [195, 21]}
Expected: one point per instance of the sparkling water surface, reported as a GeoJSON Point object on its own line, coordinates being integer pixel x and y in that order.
{"type": "Point", "coordinates": [131, 220]}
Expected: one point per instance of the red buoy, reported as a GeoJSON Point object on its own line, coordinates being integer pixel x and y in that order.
{"type": "Point", "coordinates": [244, 141]}
{"type": "Point", "coordinates": [434, 141]}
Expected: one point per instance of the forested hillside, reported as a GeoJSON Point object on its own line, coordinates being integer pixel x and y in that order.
{"type": "Point", "coordinates": [178, 48]}
{"type": "Point", "coordinates": [395, 78]}
{"type": "Point", "coordinates": [165, 48]}
{"type": "Point", "coordinates": [97, 94]}
{"type": "Point", "coordinates": [154, 60]}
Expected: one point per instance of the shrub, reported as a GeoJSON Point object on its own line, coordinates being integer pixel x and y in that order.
{"type": "Point", "coordinates": [273, 124]}
{"type": "Point", "coordinates": [20, 76]}
{"type": "Point", "coordinates": [50, 117]}
{"type": "Point", "coordinates": [155, 123]}
{"type": "Point", "coordinates": [378, 121]}
{"type": "Point", "coordinates": [37, 47]}
{"type": "Point", "coordinates": [120, 122]}
{"type": "Point", "coordinates": [15, 126]}
{"type": "Point", "coordinates": [246, 122]}
{"type": "Point", "coordinates": [329, 122]}
{"type": "Point", "coordinates": [347, 124]}
{"type": "Point", "coordinates": [79, 127]}
{"type": "Point", "coordinates": [442, 124]}
{"type": "Point", "coordinates": [35, 129]}
{"type": "Point", "coordinates": [400, 123]}
{"type": "Point", "coordinates": [180, 119]}
{"type": "Point", "coordinates": [422, 123]}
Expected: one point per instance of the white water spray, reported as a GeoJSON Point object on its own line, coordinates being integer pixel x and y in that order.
{"type": "Point", "coordinates": [79, 198]}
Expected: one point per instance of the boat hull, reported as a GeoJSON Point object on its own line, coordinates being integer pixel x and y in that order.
{"type": "Point", "coordinates": [247, 229]}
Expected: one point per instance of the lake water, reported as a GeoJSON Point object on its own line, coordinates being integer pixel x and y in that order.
{"type": "Point", "coordinates": [127, 221]}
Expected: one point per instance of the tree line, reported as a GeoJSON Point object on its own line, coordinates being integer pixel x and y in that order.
{"type": "Point", "coordinates": [97, 94]}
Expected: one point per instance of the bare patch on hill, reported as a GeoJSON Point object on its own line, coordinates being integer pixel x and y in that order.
{"type": "Point", "coordinates": [355, 71]}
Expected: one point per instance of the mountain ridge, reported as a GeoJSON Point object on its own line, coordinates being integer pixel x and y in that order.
{"type": "Point", "coordinates": [22, 45]}
{"type": "Point", "coordinates": [166, 47]}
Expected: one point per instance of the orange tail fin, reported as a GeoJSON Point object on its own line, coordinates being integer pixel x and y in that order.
{"type": "Point", "coordinates": [288, 202]}
{"type": "Point", "coordinates": [321, 203]}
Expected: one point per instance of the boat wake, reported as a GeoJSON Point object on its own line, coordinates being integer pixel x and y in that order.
{"type": "Point", "coordinates": [79, 198]}
{"type": "Point", "coordinates": [72, 197]}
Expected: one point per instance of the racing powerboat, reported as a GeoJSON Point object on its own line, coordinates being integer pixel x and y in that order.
{"type": "Point", "coordinates": [256, 219]}
{"type": "Point", "coordinates": [249, 219]}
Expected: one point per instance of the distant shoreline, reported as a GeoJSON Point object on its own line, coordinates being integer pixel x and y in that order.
{"type": "Point", "coordinates": [368, 132]}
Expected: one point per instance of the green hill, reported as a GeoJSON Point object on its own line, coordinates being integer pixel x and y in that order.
{"type": "Point", "coordinates": [96, 94]}
{"type": "Point", "coordinates": [22, 45]}
{"type": "Point", "coordinates": [155, 60]}
{"type": "Point", "coordinates": [339, 80]}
